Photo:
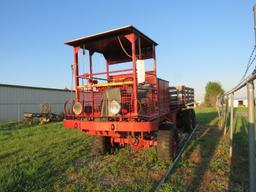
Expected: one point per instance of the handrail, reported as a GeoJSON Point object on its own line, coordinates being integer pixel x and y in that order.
{"type": "Point", "coordinates": [105, 84]}
{"type": "Point", "coordinates": [85, 75]}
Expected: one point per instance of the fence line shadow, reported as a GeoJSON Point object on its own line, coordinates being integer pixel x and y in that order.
{"type": "Point", "coordinates": [239, 173]}
{"type": "Point", "coordinates": [202, 166]}
{"type": "Point", "coordinates": [207, 141]}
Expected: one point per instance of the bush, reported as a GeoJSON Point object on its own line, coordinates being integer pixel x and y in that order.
{"type": "Point", "coordinates": [212, 90]}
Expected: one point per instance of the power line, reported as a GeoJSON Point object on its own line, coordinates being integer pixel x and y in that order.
{"type": "Point", "coordinates": [244, 78]}
{"type": "Point", "coordinates": [250, 62]}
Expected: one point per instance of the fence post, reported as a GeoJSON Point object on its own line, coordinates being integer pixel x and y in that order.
{"type": "Point", "coordinates": [218, 109]}
{"type": "Point", "coordinates": [231, 122]}
{"type": "Point", "coordinates": [222, 112]}
{"type": "Point", "coordinates": [226, 115]}
{"type": "Point", "coordinates": [18, 112]}
{"type": "Point", "coordinates": [251, 131]}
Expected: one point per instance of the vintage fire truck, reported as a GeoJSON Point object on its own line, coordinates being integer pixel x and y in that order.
{"type": "Point", "coordinates": [128, 105]}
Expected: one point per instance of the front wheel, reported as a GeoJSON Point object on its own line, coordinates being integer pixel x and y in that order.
{"type": "Point", "coordinates": [102, 145]}
{"type": "Point", "coordinates": [167, 142]}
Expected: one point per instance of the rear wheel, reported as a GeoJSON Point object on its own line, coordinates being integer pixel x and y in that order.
{"type": "Point", "coordinates": [109, 148]}
{"type": "Point", "coordinates": [189, 120]}
{"type": "Point", "coordinates": [167, 142]}
{"type": "Point", "coordinates": [193, 118]}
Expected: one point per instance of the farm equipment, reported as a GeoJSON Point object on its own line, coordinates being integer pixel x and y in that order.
{"type": "Point", "coordinates": [128, 105]}
{"type": "Point", "coordinates": [44, 116]}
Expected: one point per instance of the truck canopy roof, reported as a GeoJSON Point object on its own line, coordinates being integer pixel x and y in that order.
{"type": "Point", "coordinates": [114, 46]}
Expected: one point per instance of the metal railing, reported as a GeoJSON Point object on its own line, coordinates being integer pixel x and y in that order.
{"type": "Point", "coordinates": [223, 109]}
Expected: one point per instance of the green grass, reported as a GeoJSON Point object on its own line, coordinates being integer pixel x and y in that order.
{"type": "Point", "coordinates": [239, 161]}
{"type": "Point", "coordinates": [206, 116]}
{"type": "Point", "coordinates": [52, 158]}
{"type": "Point", "coordinates": [206, 165]}
{"type": "Point", "coordinates": [32, 158]}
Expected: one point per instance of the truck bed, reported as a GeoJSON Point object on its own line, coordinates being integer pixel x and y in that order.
{"type": "Point", "coordinates": [181, 96]}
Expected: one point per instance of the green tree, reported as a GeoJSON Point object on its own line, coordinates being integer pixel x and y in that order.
{"type": "Point", "coordinates": [212, 90]}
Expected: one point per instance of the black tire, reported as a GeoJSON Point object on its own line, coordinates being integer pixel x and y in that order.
{"type": "Point", "coordinates": [109, 148]}
{"type": "Point", "coordinates": [179, 121]}
{"type": "Point", "coordinates": [102, 145]}
{"type": "Point", "coordinates": [188, 118]}
{"type": "Point", "coordinates": [167, 142]}
{"type": "Point", "coordinates": [193, 118]}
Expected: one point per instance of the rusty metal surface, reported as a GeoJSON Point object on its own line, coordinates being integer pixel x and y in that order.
{"type": "Point", "coordinates": [104, 35]}
{"type": "Point", "coordinates": [107, 43]}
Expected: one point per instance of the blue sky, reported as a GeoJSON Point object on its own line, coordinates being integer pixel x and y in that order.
{"type": "Point", "coordinates": [199, 41]}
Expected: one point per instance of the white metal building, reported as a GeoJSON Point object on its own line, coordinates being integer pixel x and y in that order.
{"type": "Point", "coordinates": [240, 102]}
{"type": "Point", "coordinates": [15, 100]}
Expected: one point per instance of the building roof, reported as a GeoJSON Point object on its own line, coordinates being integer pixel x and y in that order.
{"type": "Point", "coordinates": [31, 87]}
{"type": "Point", "coordinates": [111, 44]}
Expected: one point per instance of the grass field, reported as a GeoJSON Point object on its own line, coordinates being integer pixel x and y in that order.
{"type": "Point", "coordinates": [52, 158]}
{"type": "Point", "coordinates": [205, 164]}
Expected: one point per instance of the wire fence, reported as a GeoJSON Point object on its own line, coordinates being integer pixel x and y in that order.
{"type": "Point", "coordinates": [225, 107]}
{"type": "Point", "coordinates": [225, 110]}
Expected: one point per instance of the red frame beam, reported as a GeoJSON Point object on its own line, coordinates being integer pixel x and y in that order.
{"type": "Point", "coordinates": [109, 72]}
{"type": "Point", "coordinates": [107, 69]}
{"type": "Point", "coordinates": [91, 76]}
{"type": "Point", "coordinates": [146, 126]}
{"type": "Point", "coordinates": [76, 72]}
{"type": "Point", "coordinates": [132, 38]}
